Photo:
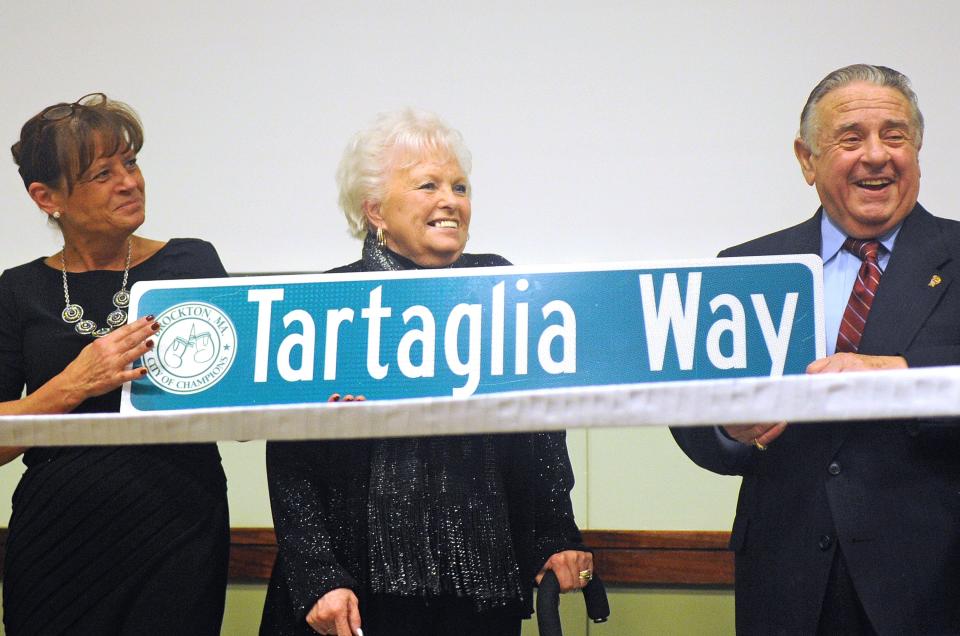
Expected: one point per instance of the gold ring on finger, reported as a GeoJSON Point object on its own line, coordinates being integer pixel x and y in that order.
{"type": "Point", "coordinates": [586, 575]}
{"type": "Point", "coordinates": [756, 442]}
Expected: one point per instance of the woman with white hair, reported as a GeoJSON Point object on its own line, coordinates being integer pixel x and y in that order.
{"type": "Point", "coordinates": [422, 536]}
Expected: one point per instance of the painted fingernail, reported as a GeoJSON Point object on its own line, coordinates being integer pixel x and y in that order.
{"type": "Point", "coordinates": [143, 371]}
{"type": "Point", "coordinates": [149, 344]}
{"type": "Point", "coordinates": [155, 326]}
{"type": "Point", "coordinates": [149, 317]}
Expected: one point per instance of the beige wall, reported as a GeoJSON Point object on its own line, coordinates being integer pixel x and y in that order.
{"type": "Point", "coordinates": [664, 612]}
{"type": "Point", "coordinates": [626, 479]}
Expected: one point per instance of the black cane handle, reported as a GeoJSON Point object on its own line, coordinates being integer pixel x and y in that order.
{"type": "Point", "coordinates": [595, 596]}
{"type": "Point", "coordinates": [548, 604]}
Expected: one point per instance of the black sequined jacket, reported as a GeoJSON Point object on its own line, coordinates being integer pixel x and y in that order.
{"type": "Point", "coordinates": [319, 495]}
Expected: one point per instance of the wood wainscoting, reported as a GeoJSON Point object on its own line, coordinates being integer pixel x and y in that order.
{"type": "Point", "coordinates": [622, 557]}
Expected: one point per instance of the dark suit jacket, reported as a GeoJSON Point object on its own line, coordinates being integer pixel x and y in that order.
{"type": "Point", "coordinates": [887, 491]}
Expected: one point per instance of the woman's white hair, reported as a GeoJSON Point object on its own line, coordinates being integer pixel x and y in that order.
{"type": "Point", "coordinates": [396, 140]}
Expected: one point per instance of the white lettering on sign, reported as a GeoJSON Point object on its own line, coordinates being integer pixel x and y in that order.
{"type": "Point", "coordinates": [777, 341]}
{"type": "Point", "coordinates": [522, 331]}
{"type": "Point", "coordinates": [335, 318]}
{"type": "Point", "coordinates": [305, 341]}
{"type": "Point", "coordinates": [265, 299]}
{"type": "Point", "coordinates": [736, 326]}
{"type": "Point", "coordinates": [671, 314]}
{"type": "Point", "coordinates": [471, 366]}
{"type": "Point", "coordinates": [374, 312]}
{"type": "Point", "coordinates": [416, 352]}
{"type": "Point", "coordinates": [425, 337]}
{"type": "Point", "coordinates": [566, 332]}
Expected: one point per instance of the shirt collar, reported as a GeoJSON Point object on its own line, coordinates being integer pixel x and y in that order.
{"type": "Point", "coordinates": [832, 237]}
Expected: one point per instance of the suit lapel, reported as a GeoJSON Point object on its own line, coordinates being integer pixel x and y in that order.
{"type": "Point", "coordinates": [905, 298]}
{"type": "Point", "coordinates": [803, 238]}
{"type": "Point", "coordinates": [808, 238]}
{"type": "Point", "coordinates": [908, 290]}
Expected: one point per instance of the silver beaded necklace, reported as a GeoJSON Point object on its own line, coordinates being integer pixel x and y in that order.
{"type": "Point", "coordinates": [73, 312]}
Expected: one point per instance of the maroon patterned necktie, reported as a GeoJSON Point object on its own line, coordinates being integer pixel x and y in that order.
{"type": "Point", "coordinates": [861, 298]}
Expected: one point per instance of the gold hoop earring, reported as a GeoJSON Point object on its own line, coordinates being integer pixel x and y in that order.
{"type": "Point", "coordinates": [381, 239]}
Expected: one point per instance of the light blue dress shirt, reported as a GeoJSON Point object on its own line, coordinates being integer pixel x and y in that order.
{"type": "Point", "coordinates": [840, 269]}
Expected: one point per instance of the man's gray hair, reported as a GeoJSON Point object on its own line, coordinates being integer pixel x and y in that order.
{"type": "Point", "coordinates": [877, 75]}
{"type": "Point", "coordinates": [396, 141]}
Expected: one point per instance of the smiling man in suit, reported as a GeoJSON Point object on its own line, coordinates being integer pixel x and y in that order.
{"type": "Point", "coordinates": [854, 528]}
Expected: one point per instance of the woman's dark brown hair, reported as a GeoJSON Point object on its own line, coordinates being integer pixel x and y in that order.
{"type": "Point", "coordinates": [57, 151]}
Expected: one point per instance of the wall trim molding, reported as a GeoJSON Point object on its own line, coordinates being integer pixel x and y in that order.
{"type": "Point", "coordinates": [662, 557]}
{"type": "Point", "coordinates": [623, 557]}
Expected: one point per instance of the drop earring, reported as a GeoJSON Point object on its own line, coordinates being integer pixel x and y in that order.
{"type": "Point", "coordinates": [381, 239]}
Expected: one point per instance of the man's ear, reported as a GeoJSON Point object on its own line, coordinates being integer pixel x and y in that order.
{"type": "Point", "coordinates": [805, 157]}
{"type": "Point", "coordinates": [46, 198]}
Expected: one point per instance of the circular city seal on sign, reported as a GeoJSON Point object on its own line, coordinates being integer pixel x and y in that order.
{"type": "Point", "coordinates": [194, 348]}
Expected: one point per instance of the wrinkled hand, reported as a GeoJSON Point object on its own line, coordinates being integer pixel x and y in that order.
{"type": "Point", "coordinates": [568, 565]}
{"type": "Point", "coordinates": [336, 613]}
{"type": "Point", "coordinates": [102, 365]}
{"type": "Point", "coordinates": [841, 362]}
{"type": "Point", "coordinates": [336, 397]}
{"type": "Point", "coordinates": [758, 435]}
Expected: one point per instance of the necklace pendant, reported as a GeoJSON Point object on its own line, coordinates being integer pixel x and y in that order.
{"type": "Point", "coordinates": [122, 300]}
{"type": "Point", "coordinates": [85, 327]}
{"type": "Point", "coordinates": [72, 313]}
{"type": "Point", "coordinates": [116, 318]}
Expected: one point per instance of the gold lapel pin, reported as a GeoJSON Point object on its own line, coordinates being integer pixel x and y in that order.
{"type": "Point", "coordinates": [934, 281]}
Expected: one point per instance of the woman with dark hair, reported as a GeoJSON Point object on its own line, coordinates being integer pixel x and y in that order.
{"type": "Point", "coordinates": [113, 539]}
{"type": "Point", "coordinates": [416, 536]}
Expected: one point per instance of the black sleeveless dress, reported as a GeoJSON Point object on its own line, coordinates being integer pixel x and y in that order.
{"type": "Point", "coordinates": [111, 539]}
